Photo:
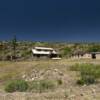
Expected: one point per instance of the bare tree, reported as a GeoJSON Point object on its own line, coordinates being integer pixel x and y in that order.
{"type": "Point", "coordinates": [14, 44]}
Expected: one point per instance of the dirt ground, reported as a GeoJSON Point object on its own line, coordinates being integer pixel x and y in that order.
{"type": "Point", "coordinates": [50, 69]}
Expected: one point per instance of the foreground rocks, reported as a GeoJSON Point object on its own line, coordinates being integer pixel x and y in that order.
{"type": "Point", "coordinates": [43, 74]}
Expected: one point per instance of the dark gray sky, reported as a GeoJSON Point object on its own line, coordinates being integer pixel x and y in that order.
{"type": "Point", "coordinates": [50, 20]}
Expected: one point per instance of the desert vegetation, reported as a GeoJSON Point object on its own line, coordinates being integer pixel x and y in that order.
{"type": "Point", "coordinates": [45, 79]}
{"type": "Point", "coordinates": [22, 49]}
{"type": "Point", "coordinates": [89, 73]}
{"type": "Point", "coordinates": [50, 79]}
{"type": "Point", "coordinates": [17, 85]}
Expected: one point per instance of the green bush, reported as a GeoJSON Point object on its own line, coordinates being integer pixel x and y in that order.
{"type": "Point", "coordinates": [89, 73]}
{"type": "Point", "coordinates": [80, 82]}
{"type": "Point", "coordinates": [86, 80]}
{"type": "Point", "coordinates": [42, 85]}
{"type": "Point", "coordinates": [17, 85]}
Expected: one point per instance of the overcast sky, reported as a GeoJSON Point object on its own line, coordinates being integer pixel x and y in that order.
{"type": "Point", "coordinates": [50, 20]}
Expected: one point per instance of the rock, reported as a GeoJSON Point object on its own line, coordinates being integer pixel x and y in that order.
{"type": "Point", "coordinates": [93, 91]}
{"type": "Point", "coordinates": [60, 73]}
{"type": "Point", "coordinates": [56, 70]}
{"type": "Point", "coordinates": [24, 76]}
{"type": "Point", "coordinates": [32, 79]}
{"type": "Point", "coordinates": [71, 97]}
{"type": "Point", "coordinates": [82, 94]}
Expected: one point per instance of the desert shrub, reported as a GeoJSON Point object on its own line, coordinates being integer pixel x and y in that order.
{"type": "Point", "coordinates": [76, 67]}
{"type": "Point", "coordinates": [16, 85]}
{"type": "Point", "coordinates": [94, 48]}
{"type": "Point", "coordinates": [86, 80]}
{"type": "Point", "coordinates": [42, 85]}
{"type": "Point", "coordinates": [59, 81]}
{"type": "Point", "coordinates": [26, 53]}
{"type": "Point", "coordinates": [66, 94]}
{"type": "Point", "coordinates": [80, 82]}
{"type": "Point", "coordinates": [66, 52]}
{"type": "Point", "coordinates": [89, 73]}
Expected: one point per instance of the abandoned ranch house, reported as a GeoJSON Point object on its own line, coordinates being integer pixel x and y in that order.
{"type": "Point", "coordinates": [86, 55]}
{"type": "Point", "coordinates": [44, 52]}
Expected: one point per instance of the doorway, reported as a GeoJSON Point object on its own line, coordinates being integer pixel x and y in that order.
{"type": "Point", "coordinates": [93, 56]}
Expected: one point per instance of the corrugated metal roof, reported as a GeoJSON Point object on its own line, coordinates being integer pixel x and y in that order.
{"type": "Point", "coordinates": [44, 48]}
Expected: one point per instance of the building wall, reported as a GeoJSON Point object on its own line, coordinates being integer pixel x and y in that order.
{"type": "Point", "coordinates": [86, 56]}
{"type": "Point", "coordinates": [97, 56]}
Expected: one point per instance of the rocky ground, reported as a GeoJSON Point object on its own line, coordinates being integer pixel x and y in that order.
{"type": "Point", "coordinates": [55, 70]}
{"type": "Point", "coordinates": [66, 93]}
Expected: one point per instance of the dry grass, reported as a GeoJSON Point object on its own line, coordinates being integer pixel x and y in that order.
{"type": "Point", "coordinates": [9, 70]}
{"type": "Point", "coordinates": [67, 91]}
